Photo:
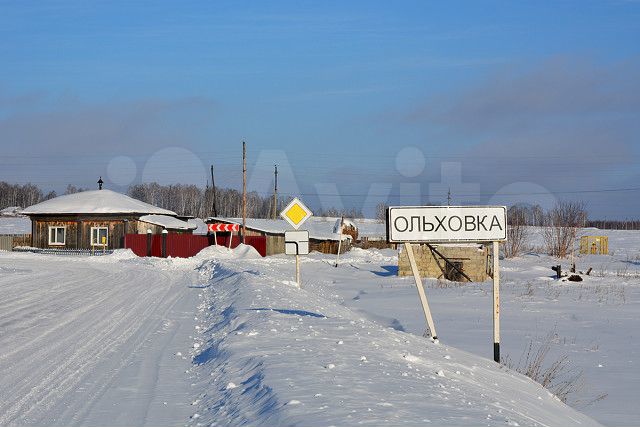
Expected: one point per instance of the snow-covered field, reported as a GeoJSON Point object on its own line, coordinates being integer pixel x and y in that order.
{"type": "Point", "coordinates": [226, 338]}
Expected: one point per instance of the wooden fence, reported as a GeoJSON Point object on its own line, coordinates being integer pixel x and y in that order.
{"type": "Point", "coordinates": [10, 241]}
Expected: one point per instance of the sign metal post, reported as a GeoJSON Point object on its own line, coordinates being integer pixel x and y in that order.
{"type": "Point", "coordinates": [496, 302]}
{"type": "Point", "coordinates": [421, 292]}
{"type": "Point", "coordinates": [296, 243]}
{"type": "Point", "coordinates": [339, 241]}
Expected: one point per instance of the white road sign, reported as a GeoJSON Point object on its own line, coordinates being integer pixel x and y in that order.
{"type": "Point", "coordinates": [446, 224]}
{"type": "Point", "coordinates": [296, 242]}
{"type": "Point", "coordinates": [296, 213]}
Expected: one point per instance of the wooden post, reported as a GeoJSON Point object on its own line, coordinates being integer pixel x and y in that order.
{"type": "Point", "coordinates": [275, 193]}
{"type": "Point", "coordinates": [496, 302]}
{"type": "Point", "coordinates": [213, 188]}
{"type": "Point", "coordinates": [339, 241]}
{"type": "Point", "coordinates": [298, 271]}
{"type": "Point", "coordinates": [423, 295]}
{"type": "Point", "coordinates": [230, 238]}
{"type": "Point", "coordinates": [244, 189]}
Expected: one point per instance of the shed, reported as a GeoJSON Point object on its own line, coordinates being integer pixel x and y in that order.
{"type": "Point", "coordinates": [86, 219]}
{"type": "Point", "coordinates": [470, 258]}
{"type": "Point", "coordinates": [164, 222]}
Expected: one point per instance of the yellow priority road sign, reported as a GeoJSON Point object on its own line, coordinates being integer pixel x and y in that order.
{"type": "Point", "coordinates": [296, 213]}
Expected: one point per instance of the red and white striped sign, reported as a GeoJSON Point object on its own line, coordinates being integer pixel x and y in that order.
{"type": "Point", "coordinates": [223, 227]}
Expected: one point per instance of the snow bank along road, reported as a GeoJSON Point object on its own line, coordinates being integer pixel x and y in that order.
{"type": "Point", "coordinates": [226, 339]}
{"type": "Point", "coordinates": [93, 341]}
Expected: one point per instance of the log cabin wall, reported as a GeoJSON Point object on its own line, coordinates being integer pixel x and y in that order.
{"type": "Point", "coordinates": [78, 230]}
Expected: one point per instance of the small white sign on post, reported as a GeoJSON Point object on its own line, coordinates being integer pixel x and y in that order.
{"type": "Point", "coordinates": [296, 242]}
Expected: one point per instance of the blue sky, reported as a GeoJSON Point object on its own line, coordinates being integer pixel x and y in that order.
{"type": "Point", "coordinates": [358, 102]}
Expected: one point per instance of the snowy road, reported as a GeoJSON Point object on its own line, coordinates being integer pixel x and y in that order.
{"type": "Point", "coordinates": [94, 341]}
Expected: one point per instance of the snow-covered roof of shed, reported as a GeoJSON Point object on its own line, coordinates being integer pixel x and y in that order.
{"type": "Point", "coordinates": [199, 225]}
{"type": "Point", "coordinates": [11, 211]}
{"type": "Point", "coordinates": [169, 222]}
{"type": "Point", "coordinates": [320, 228]}
{"type": "Point", "coordinates": [95, 202]}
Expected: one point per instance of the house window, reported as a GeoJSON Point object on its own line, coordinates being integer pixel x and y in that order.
{"type": "Point", "coordinates": [57, 235]}
{"type": "Point", "coordinates": [99, 236]}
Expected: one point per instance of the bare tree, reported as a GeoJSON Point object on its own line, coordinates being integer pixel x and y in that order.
{"type": "Point", "coordinates": [381, 211]}
{"type": "Point", "coordinates": [561, 227]}
{"type": "Point", "coordinates": [517, 231]}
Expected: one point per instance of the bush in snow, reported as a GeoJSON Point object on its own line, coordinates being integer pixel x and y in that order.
{"type": "Point", "coordinates": [517, 232]}
{"type": "Point", "coordinates": [561, 227]}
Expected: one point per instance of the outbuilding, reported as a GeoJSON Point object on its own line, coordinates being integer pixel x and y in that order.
{"type": "Point", "coordinates": [97, 218]}
{"type": "Point", "coordinates": [323, 235]}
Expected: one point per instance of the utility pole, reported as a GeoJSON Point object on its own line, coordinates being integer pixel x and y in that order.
{"type": "Point", "coordinates": [244, 189]}
{"type": "Point", "coordinates": [213, 185]}
{"type": "Point", "coordinates": [449, 197]}
{"type": "Point", "coordinates": [275, 193]}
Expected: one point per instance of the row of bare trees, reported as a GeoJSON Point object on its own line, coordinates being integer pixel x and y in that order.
{"type": "Point", "coordinates": [194, 201]}
{"type": "Point", "coordinates": [21, 195]}
{"type": "Point", "coordinates": [625, 224]}
{"type": "Point", "coordinates": [182, 199]}
{"type": "Point", "coordinates": [560, 227]}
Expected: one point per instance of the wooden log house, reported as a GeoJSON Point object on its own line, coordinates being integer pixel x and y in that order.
{"type": "Point", "coordinates": [91, 219]}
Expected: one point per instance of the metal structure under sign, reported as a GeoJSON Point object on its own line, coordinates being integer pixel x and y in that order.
{"type": "Point", "coordinates": [296, 213]}
{"type": "Point", "coordinates": [439, 224]}
{"type": "Point", "coordinates": [296, 242]}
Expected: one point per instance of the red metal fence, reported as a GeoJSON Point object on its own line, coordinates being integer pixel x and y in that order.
{"type": "Point", "coordinates": [187, 245]}
{"type": "Point", "coordinates": [137, 243]}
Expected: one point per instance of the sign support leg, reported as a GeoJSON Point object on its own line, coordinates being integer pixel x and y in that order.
{"type": "Point", "coordinates": [496, 302]}
{"type": "Point", "coordinates": [230, 238]}
{"type": "Point", "coordinates": [423, 295]}
{"type": "Point", "coordinates": [339, 242]}
{"type": "Point", "coordinates": [298, 271]}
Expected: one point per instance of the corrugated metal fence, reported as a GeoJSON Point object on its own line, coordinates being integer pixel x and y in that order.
{"type": "Point", "coordinates": [186, 245]}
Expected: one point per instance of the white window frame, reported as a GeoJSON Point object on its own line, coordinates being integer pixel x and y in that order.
{"type": "Point", "coordinates": [99, 243]}
{"type": "Point", "coordinates": [64, 235]}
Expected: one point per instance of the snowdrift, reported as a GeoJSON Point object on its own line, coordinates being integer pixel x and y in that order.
{"type": "Point", "coordinates": [271, 354]}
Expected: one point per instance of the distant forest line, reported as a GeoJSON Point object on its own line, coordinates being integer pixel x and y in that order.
{"type": "Point", "coordinates": [194, 201]}
{"type": "Point", "coordinates": [183, 199]}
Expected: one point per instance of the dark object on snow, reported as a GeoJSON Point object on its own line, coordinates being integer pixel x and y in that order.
{"type": "Point", "coordinates": [589, 271]}
{"type": "Point", "coordinates": [574, 278]}
{"type": "Point", "coordinates": [573, 268]}
{"type": "Point", "coordinates": [558, 270]}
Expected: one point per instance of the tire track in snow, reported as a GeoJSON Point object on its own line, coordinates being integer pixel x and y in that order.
{"type": "Point", "coordinates": [36, 377]}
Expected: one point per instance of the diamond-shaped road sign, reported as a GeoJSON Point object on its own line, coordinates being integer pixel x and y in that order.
{"type": "Point", "coordinates": [296, 213]}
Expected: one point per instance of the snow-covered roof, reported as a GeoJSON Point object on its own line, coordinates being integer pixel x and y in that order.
{"type": "Point", "coordinates": [15, 225]}
{"type": "Point", "coordinates": [320, 228]}
{"type": "Point", "coordinates": [95, 202]}
{"type": "Point", "coordinates": [168, 222]}
{"type": "Point", "coordinates": [11, 211]}
{"type": "Point", "coordinates": [200, 226]}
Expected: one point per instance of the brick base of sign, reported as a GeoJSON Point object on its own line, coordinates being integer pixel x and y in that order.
{"type": "Point", "coordinates": [472, 259]}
